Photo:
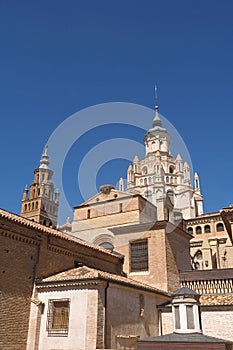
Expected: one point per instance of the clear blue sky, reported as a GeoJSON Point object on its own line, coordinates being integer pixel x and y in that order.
{"type": "Point", "coordinates": [58, 57]}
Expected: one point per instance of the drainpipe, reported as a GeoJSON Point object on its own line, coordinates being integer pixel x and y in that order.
{"type": "Point", "coordinates": [160, 321]}
{"type": "Point", "coordinates": [105, 314]}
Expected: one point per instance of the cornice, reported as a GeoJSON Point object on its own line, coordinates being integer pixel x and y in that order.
{"type": "Point", "coordinates": [204, 220]}
{"type": "Point", "coordinates": [12, 222]}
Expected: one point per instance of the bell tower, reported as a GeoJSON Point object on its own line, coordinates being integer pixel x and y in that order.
{"type": "Point", "coordinates": [40, 202]}
{"type": "Point", "coordinates": [162, 178]}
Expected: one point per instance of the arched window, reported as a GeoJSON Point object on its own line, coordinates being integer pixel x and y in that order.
{"type": "Point", "coordinates": [107, 245]}
{"type": "Point", "coordinates": [32, 205]}
{"type": "Point", "coordinates": [167, 179]}
{"type": "Point", "coordinates": [198, 229]}
{"type": "Point", "coordinates": [36, 205]}
{"type": "Point", "coordinates": [25, 207]}
{"type": "Point", "coordinates": [190, 230]}
{"type": "Point", "coordinates": [207, 228]}
{"type": "Point", "coordinates": [197, 260]}
{"type": "Point", "coordinates": [149, 180]}
{"type": "Point", "coordinates": [144, 170]}
{"type": "Point", "coordinates": [219, 227]}
{"type": "Point", "coordinates": [145, 181]}
{"type": "Point", "coordinates": [171, 169]}
{"type": "Point", "coordinates": [198, 255]}
{"type": "Point", "coordinates": [158, 194]}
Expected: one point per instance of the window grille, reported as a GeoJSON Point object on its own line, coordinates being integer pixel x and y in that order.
{"type": "Point", "coordinates": [139, 256]}
{"type": "Point", "coordinates": [58, 317]}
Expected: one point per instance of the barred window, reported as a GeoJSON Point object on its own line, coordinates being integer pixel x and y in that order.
{"type": "Point", "coordinates": [58, 317]}
{"type": "Point", "coordinates": [139, 256]}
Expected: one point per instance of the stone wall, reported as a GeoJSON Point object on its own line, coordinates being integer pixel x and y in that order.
{"type": "Point", "coordinates": [218, 323]}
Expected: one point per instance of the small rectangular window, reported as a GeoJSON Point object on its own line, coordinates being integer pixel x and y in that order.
{"type": "Point", "coordinates": [88, 213]}
{"type": "Point", "coordinates": [139, 256]}
{"type": "Point", "coordinates": [190, 318]}
{"type": "Point", "coordinates": [58, 317]}
{"type": "Point", "coordinates": [121, 207]}
{"type": "Point", "coordinates": [177, 317]}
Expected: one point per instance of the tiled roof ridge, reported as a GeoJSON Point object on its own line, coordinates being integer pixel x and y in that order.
{"type": "Point", "coordinates": [99, 274]}
{"type": "Point", "coordinates": [216, 300]}
{"type": "Point", "coordinates": [54, 232]}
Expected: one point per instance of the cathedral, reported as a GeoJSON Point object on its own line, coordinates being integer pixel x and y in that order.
{"type": "Point", "coordinates": [159, 175]}
{"type": "Point", "coordinates": [136, 268]}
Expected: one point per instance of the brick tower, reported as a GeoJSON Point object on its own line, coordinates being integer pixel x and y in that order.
{"type": "Point", "coordinates": [40, 203]}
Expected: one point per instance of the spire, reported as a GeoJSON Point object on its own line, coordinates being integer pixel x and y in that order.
{"type": "Point", "coordinates": [25, 193]}
{"type": "Point", "coordinates": [121, 184]}
{"type": "Point", "coordinates": [196, 182]}
{"type": "Point", "coordinates": [157, 120]}
{"type": "Point", "coordinates": [44, 162]}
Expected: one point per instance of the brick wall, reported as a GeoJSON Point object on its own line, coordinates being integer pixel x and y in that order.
{"type": "Point", "coordinates": [178, 258]}
{"type": "Point", "coordinates": [17, 261]}
{"type": "Point", "coordinates": [26, 254]}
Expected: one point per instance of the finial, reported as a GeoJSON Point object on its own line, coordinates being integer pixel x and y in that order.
{"type": "Point", "coordinates": [157, 121]}
{"type": "Point", "coordinates": [45, 153]}
{"type": "Point", "coordinates": [156, 98]}
{"type": "Point", "coordinates": [44, 162]}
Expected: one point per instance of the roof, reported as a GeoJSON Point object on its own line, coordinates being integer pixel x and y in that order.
{"type": "Point", "coordinates": [53, 232]}
{"type": "Point", "coordinates": [147, 226]}
{"type": "Point", "coordinates": [207, 300]}
{"type": "Point", "coordinates": [184, 291]}
{"type": "Point", "coordinates": [203, 216]}
{"type": "Point", "coordinates": [186, 338]}
{"type": "Point", "coordinates": [201, 275]}
{"type": "Point", "coordinates": [85, 273]}
{"type": "Point", "coordinates": [112, 195]}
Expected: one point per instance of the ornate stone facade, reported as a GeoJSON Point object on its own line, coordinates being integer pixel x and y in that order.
{"type": "Point", "coordinates": [159, 175]}
{"type": "Point", "coordinates": [211, 246]}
